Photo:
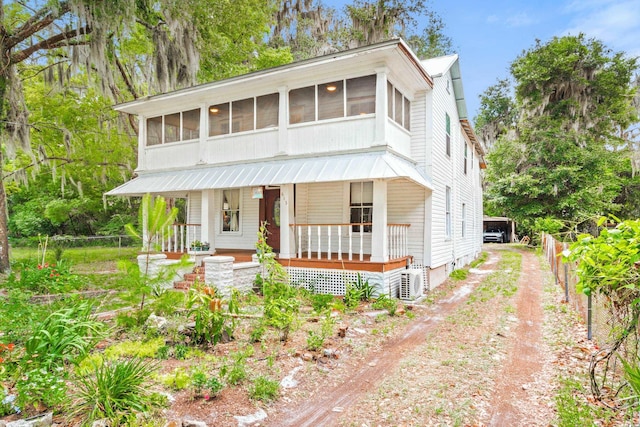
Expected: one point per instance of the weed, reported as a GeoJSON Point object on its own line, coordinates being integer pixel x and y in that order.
{"type": "Point", "coordinates": [321, 302]}
{"type": "Point", "coordinates": [147, 349]}
{"type": "Point", "coordinates": [264, 389]}
{"type": "Point", "coordinates": [178, 380]}
{"type": "Point", "coordinates": [383, 302]}
{"type": "Point", "coordinates": [571, 409]}
{"type": "Point", "coordinates": [42, 387]}
{"type": "Point", "coordinates": [459, 274]}
{"type": "Point", "coordinates": [314, 341]}
{"type": "Point", "coordinates": [181, 351]}
{"type": "Point", "coordinates": [214, 386]}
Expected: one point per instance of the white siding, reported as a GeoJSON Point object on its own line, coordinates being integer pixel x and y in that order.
{"type": "Point", "coordinates": [406, 206]}
{"type": "Point", "coordinates": [249, 222]}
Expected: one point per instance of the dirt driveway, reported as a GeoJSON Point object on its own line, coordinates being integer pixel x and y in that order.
{"type": "Point", "coordinates": [476, 357]}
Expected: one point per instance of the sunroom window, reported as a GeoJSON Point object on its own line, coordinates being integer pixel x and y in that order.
{"type": "Point", "coordinates": [398, 107]}
{"type": "Point", "coordinates": [182, 126]}
{"type": "Point", "coordinates": [341, 98]}
{"type": "Point", "coordinates": [244, 115]}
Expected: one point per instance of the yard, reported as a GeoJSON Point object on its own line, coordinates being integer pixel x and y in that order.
{"type": "Point", "coordinates": [497, 346]}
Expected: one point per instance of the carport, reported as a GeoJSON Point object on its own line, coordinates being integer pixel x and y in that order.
{"type": "Point", "coordinates": [501, 223]}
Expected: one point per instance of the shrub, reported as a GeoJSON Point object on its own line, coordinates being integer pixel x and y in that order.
{"type": "Point", "coordinates": [66, 335]}
{"type": "Point", "coordinates": [264, 389]}
{"type": "Point", "coordinates": [45, 278]}
{"type": "Point", "coordinates": [114, 391]}
{"type": "Point", "coordinates": [321, 302]}
{"type": "Point", "coordinates": [314, 341]}
{"type": "Point", "coordinates": [212, 324]}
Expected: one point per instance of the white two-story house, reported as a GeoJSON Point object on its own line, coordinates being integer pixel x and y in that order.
{"type": "Point", "coordinates": [361, 161]}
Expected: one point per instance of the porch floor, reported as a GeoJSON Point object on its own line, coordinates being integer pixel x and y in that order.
{"type": "Point", "coordinates": [244, 255]}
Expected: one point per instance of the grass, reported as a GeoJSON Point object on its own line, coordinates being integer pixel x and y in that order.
{"type": "Point", "coordinates": [87, 259]}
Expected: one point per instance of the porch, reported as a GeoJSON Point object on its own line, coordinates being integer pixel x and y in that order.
{"type": "Point", "coordinates": [343, 246]}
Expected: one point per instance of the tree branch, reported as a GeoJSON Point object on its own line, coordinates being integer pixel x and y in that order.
{"type": "Point", "coordinates": [39, 20]}
{"type": "Point", "coordinates": [51, 43]}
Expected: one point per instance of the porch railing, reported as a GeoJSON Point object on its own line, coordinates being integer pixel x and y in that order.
{"type": "Point", "coordinates": [334, 240]}
{"type": "Point", "coordinates": [178, 237]}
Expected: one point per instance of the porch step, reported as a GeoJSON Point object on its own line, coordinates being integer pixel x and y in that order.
{"type": "Point", "coordinates": [192, 277]}
{"type": "Point", "coordinates": [182, 285]}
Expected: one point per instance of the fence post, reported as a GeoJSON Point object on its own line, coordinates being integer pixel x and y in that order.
{"type": "Point", "coordinates": [589, 317]}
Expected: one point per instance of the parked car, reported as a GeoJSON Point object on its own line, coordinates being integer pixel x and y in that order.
{"type": "Point", "coordinates": [494, 235]}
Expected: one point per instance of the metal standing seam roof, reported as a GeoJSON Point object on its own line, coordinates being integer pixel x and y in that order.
{"type": "Point", "coordinates": [351, 167]}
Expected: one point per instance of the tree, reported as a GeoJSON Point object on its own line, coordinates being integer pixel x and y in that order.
{"type": "Point", "coordinates": [310, 28]}
{"type": "Point", "coordinates": [561, 157]}
{"type": "Point", "coordinates": [125, 49]}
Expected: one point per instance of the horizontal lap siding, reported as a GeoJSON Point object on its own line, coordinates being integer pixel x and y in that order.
{"type": "Point", "coordinates": [406, 206]}
{"type": "Point", "coordinates": [249, 222]}
{"type": "Point", "coordinates": [442, 171]}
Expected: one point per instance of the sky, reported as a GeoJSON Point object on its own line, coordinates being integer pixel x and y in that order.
{"type": "Point", "coordinates": [489, 34]}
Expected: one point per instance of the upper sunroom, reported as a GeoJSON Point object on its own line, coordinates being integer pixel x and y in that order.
{"type": "Point", "coordinates": [352, 100]}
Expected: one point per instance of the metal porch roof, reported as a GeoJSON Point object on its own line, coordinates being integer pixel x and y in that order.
{"type": "Point", "coordinates": [348, 167]}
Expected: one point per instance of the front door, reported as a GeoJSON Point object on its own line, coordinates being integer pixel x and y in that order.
{"type": "Point", "coordinates": [270, 212]}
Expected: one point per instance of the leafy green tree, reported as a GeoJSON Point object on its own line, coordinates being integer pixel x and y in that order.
{"type": "Point", "coordinates": [562, 157]}
{"type": "Point", "coordinates": [310, 28]}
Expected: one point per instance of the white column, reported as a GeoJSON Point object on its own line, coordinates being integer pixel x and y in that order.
{"type": "Point", "coordinates": [379, 235]}
{"type": "Point", "coordinates": [287, 237]}
{"type": "Point", "coordinates": [204, 133]}
{"type": "Point", "coordinates": [380, 137]}
{"type": "Point", "coordinates": [283, 119]}
{"type": "Point", "coordinates": [207, 218]}
{"type": "Point", "coordinates": [142, 142]}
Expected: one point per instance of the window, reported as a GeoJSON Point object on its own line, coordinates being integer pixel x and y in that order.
{"type": "Point", "coordinates": [398, 107]}
{"type": "Point", "coordinates": [361, 205]}
{"type": "Point", "coordinates": [242, 115]}
{"type": "Point", "coordinates": [219, 119]}
{"type": "Point", "coordinates": [466, 155]}
{"type": "Point", "coordinates": [407, 114]}
{"type": "Point", "coordinates": [331, 100]}
{"type": "Point", "coordinates": [448, 130]}
{"type": "Point", "coordinates": [340, 98]}
{"type": "Point", "coordinates": [267, 111]}
{"type": "Point", "coordinates": [390, 100]}
{"type": "Point", "coordinates": [173, 127]}
{"type": "Point", "coordinates": [154, 131]}
{"type": "Point", "coordinates": [302, 104]}
{"type": "Point", "coordinates": [464, 214]}
{"type": "Point", "coordinates": [447, 214]}
{"type": "Point", "coordinates": [230, 210]}
{"type": "Point", "coordinates": [361, 96]}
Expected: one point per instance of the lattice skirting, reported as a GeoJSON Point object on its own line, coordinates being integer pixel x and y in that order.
{"type": "Point", "coordinates": [326, 281]}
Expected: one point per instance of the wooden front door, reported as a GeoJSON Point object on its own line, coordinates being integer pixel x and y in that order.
{"type": "Point", "coordinates": [270, 212]}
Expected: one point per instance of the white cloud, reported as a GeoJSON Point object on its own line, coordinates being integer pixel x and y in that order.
{"type": "Point", "coordinates": [520, 20]}
{"type": "Point", "coordinates": [615, 23]}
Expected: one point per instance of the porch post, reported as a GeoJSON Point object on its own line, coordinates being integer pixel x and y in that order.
{"type": "Point", "coordinates": [207, 211]}
{"type": "Point", "coordinates": [287, 246]}
{"type": "Point", "coordinates": [379, 235]}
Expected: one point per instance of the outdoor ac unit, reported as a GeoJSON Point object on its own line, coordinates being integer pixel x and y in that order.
{"type": "Point", "coordinates": [411, 283]}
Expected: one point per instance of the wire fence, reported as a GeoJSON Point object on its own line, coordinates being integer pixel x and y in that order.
{"type": "Point", "coordinates": [113, 241]}
{"type": "Point", "coordinates": [593, 309]}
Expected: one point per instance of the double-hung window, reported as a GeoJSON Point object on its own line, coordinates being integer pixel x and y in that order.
{"type": "Point", "coordinates": [361, 205]}
{"type": "Point", "coordinates": [230, 210]}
